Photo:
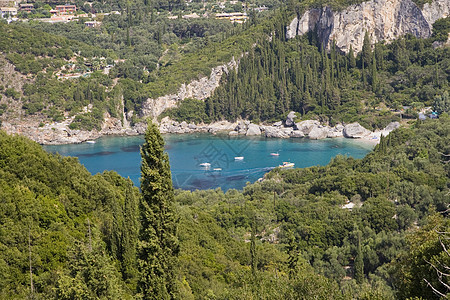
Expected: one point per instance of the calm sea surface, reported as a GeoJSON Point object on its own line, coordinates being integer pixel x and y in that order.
{"type": "Point", "coordinates": [188, 151]}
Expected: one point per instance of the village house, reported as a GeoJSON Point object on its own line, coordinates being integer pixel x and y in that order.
{"type": "Point", "coordinates": [93, 24]}
{"type": "Point", "coordinates": [6, 12]}
{"type": "Point", "coordinates": [27, 7]}
{"type": "Point", "coordinates": [66, 9]}
{"type": "Point", "coordinates": [236, 17]}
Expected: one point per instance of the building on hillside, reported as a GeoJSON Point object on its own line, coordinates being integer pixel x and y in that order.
{"type": "Point", "coordinates": [93, 24]}
{"type": "Point", "coordinates": [191, 16]}
{"type": "Point", "coordinates": [27, 7]}
{"type": "Point", "coordinates": [6, 12]}
{"type": "Point", "coordinates": [66, 9]}
{"type": "Point", "coordinates": [58, 19]}
{"type": "Point", "coordinates": [236, 17]}
{"type": "Point", "coordinates": [261, 8]}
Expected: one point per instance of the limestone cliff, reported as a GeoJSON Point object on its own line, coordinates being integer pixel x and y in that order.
{"type": "Point", "coordinates": [382, 19]}
{"type": "Point", "coordinates": [198, 89]}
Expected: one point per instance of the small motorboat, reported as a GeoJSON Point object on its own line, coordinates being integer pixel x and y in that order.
{"type": "Point", "coordinates": [90, 142]}
{"type": "Point", "coordinates": [238, 158]}
{"type": "Point", "coordinates": [287, 164]}
{"type": "Point", "coordinates": [217, 169]}
{"type": "Point", "coordinates": [275, 154]}
{"type": "Point", "coordinates": [205, 165]}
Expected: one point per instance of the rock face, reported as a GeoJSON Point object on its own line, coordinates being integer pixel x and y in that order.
{"type": "Point", "coordinates": [290, 119]}
{"type": "Point", "coordinates": [198, 89]}
{"type": "Point", "coordinates": [356, 131]}
{"type": "Point", "coordinates": [336, 131]}
{"type": "Point", "coordinates": [318, 132]}
{"type": "Point", "coordinates": [297, 134]}
{"type": "Point", "coordinates": [306, 126]}
{"type": "Point", "coordinates": [275, 132]}
{"type": "Point", "coordinates": [382, 19]}
{"type": "Point", "coordinates": [436, 10]}
{"type": "Point", "coordinates": [253, 129]}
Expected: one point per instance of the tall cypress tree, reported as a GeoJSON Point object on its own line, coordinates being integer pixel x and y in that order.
{"type": "Point", "coordinates": [158, 245]}
{"type": "Point", "coordinates": [374, 75]}
{"type": "Point", "coordinates": [366, 52]}
{"type": "Point", "coordinates": [351, 58]}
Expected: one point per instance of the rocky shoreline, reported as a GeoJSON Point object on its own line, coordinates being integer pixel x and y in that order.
{"type": "Point", "coordinates": [311, 129]}
{"type": "Point", "coordinates": [60, 133]}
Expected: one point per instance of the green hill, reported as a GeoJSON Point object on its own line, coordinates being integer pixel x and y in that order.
{"type": "Point", "coordinates": [286, 237]}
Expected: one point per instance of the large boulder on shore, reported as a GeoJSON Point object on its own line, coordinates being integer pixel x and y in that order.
{"type": "Point", "coordinates": [275, 132]}
{"type": "Point", "coordinates": [290, 119]}
{"type": "Point", "coordinates": [318, 133]}
{"type": "Point", "coordinates": [297, 134]}
{"type": "Point", "coordinates": [253, 129]}
{"type": "Point", "coordinates": [241, 126]}
{"type": "Point", "coordinates": [336, 131]}
{"type": "Point", "coordinates": [278, 124]}
{"type": "Point", "coordinates": [306, 126]}
{"type": "Point", "coordinates": [355, 131]}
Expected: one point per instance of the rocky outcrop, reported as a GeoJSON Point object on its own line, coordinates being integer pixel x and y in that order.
{"type": "Point", "coordinates": [275, 132]}
{"type": "Point", "coordinates": [253, 129]}
{"type": "Point", "coordinates": [169, 126]}
{"type": "Point", "coordinates": [436, 10]}
{"type": "Point", "coordinates": [59, 132]}
{"type": "Point", "coordinates": [306, 126]}
{"type": "Point", "coordinates": [318, 132]}
{"type": "Point", "coordinates": [198, 89]}
{"type": "Point", "coordinates": [336, 131]}
{"type": "Point", "coordinates": [382, 19]}
{"type": "Point", "coordinates": [290, 119]}
{"type": "Point", "coordinates": [355, 131]}
{"type": "Point", "coordinates": [297, 134]}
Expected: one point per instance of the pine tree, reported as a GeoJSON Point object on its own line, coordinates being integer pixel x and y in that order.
{"type": "Point", "coordinates": [158, 245]}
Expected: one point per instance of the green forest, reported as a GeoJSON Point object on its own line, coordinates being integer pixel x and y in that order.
{"type": "Point", "coordinates": [67, 234]}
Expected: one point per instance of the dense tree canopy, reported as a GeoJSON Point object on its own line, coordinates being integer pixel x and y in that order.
{"type": "Point", "coordinates": [74, 228]}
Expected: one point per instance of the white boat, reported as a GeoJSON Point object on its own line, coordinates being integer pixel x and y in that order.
{"type": "Point", "coordinates": [238, 158]}
{"type": "Point", "coordinates": [217, 169]}
{"type": "Point", "coordinates": [90, 142]}
{"type": "Point", "coordinates": [206, 165]}
{"type": "Point", "coordinates": [275, 154]}
{"type": "Point", "coordinates": [286, 164]}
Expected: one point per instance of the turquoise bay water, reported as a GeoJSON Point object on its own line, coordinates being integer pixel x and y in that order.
{"type": "Point", "coordinates": [188, 151]}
